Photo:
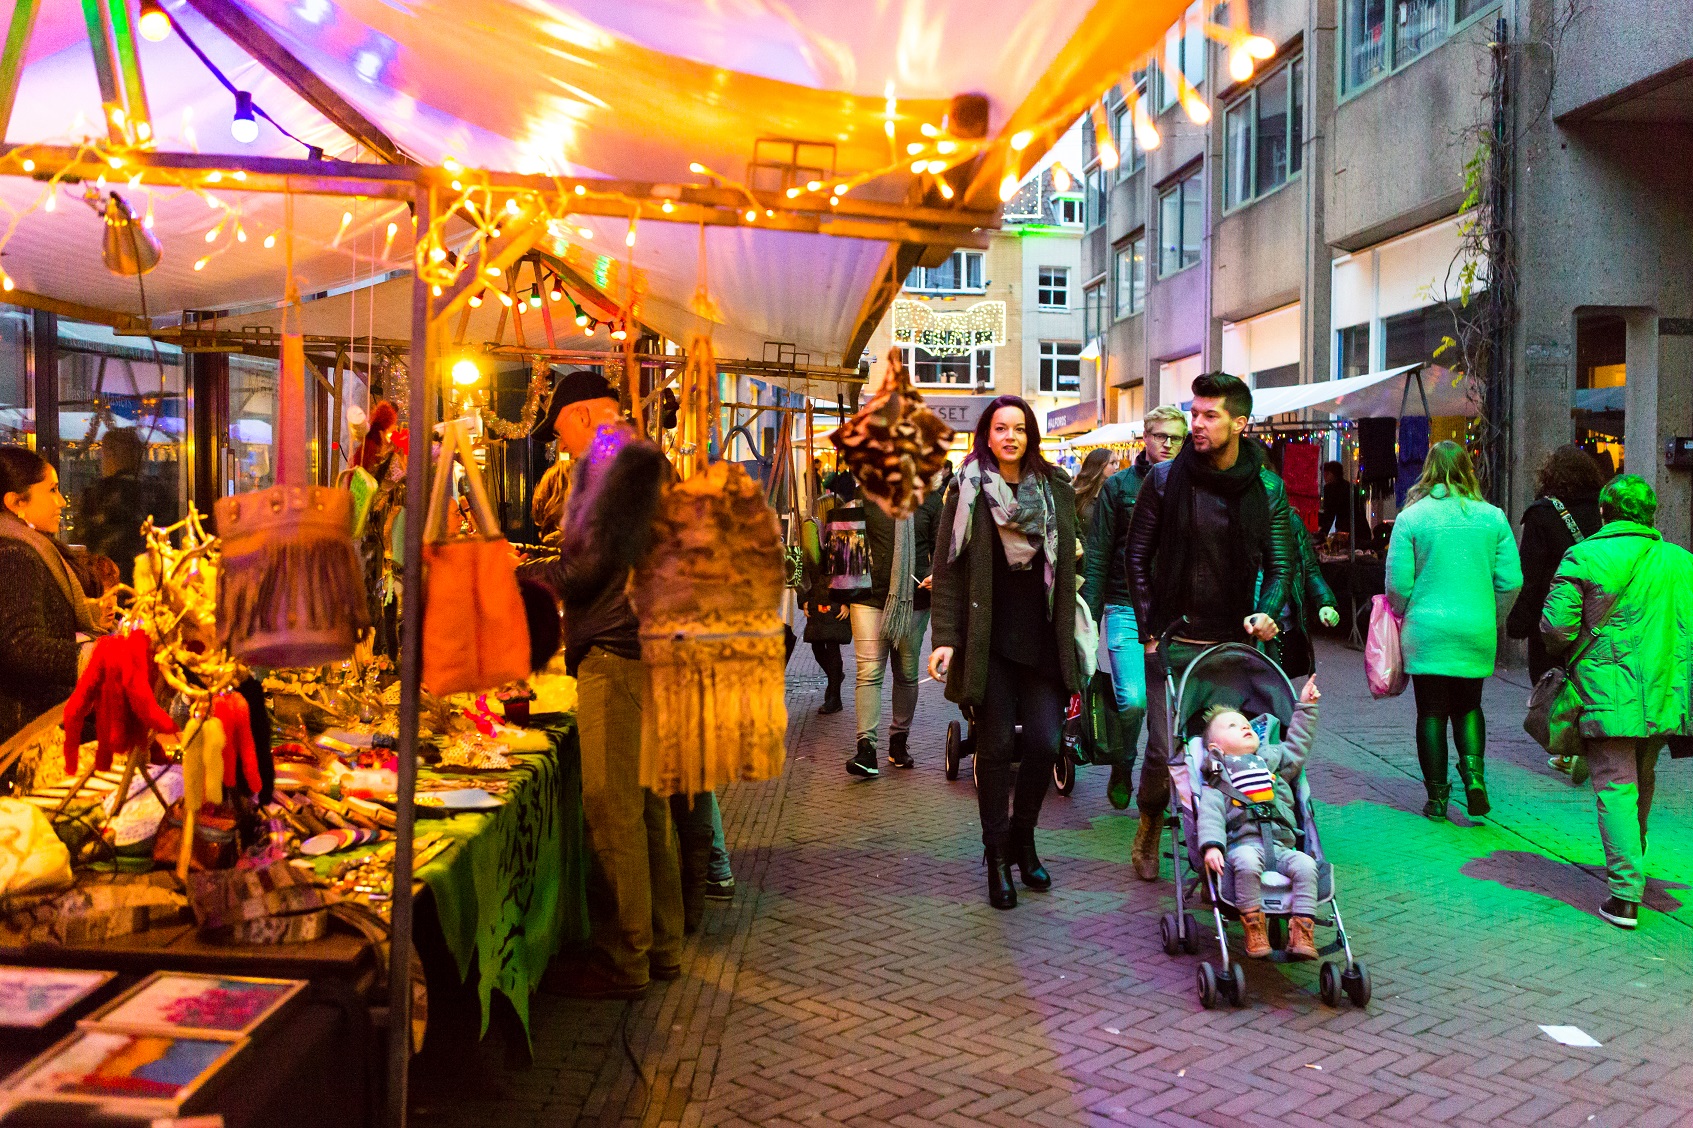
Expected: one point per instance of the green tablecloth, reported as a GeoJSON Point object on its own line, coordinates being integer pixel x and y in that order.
{"type": "Point", "coordinates": [511, 889]}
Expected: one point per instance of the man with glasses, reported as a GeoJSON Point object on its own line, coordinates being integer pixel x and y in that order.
{"type": "Point", "coordinates": [1106, 590]}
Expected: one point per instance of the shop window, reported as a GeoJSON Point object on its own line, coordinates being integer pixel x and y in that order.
{"type": "Point", "coordinates": [17, 388]}
{"type": "Point", "coordinates": [1060, 366]}
{"type": "Point", "coordinates": [1378, 36]}
{"type": "Point", "coordinates": [1181, 225]}
{"type": "Point", "coordinates": [1054, 289]}
{"type": "Point", "coordinates": [1352, 351]}
{"type": "Point", "coordinates": [1264, 136]}
{"type": "Point", "coordinates": [1131, 277]}
{"type": "Point", "coordinates": [962, 271]}
{"type": "Point", "coordinates": [1601, 385]}
{"type": "Point", "coordinates": [121, 411]}
{"type": "Point", "coordinates": [973, 369]}
{"type": "Point", "coordinates": [251, 453]}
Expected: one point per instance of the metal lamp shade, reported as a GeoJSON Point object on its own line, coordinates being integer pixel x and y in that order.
{"type": "Point", "coordinates": [126, 246]}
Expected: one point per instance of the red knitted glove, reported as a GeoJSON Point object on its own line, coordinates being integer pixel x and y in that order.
{"type": "Point", "coordinates": [231, 710]}
{"type": "Point", "coordinates": [117, 686]}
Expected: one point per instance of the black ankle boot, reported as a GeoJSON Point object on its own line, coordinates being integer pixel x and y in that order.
{"type": "Point", "coordinates": [1028, 863]}
{"type": "Point", "coordinates": [1472, 770]}
{"type": "Point", "coordinates": [1438, 798]}
{"type": "Point", "coordinates": [831, 700]}
{"type": "Point", "coordinates": [1002, 894]}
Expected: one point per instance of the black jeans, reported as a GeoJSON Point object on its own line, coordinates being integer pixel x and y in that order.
{"type": "Point", "coordinates": [828, 655]}
{"type": "Point", "coordinates": [1035, 699]}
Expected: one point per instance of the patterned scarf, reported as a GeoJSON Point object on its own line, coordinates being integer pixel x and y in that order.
{"type": "Point", "coordinates": [1026, 517]}
{"type": "Point", "coordinates": [898, 612]}
{"type": "Point", "coordinates": [14, 528]}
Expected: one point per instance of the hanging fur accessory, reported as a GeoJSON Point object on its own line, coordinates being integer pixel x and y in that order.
{"type": "Point", "coordinates": [894, 446]}
{"type": "Point", "coordinates": [708, 596]}
{"type": "Point", "coordinates": [291, 588]}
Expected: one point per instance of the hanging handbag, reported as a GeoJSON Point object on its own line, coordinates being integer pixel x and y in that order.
{"type": "Point", "coordinates": [1384, 656]}
{"type": "Point", "coordinates": [475, 632]}
{"type": "Point", "coordinates": [1554, 707]}
{"type": "Point", "coordinates": [290, 590]}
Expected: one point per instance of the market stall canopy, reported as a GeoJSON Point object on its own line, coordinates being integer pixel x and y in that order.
{"type": "Point", "coordinates": [1374, 394]}
{"type": "Point", "coordinates": [1112, 434]}
{"type": "Point", "coordinates": [638, 90]}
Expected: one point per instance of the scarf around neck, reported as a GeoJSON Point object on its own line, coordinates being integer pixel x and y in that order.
{"type": "Point", "coordinates": [900, 608]}
{"type": "Point", "coordinates": [14, 528]}
{"type": "Point", "coordinates": [1249, 518]}
{"type": "Point", "coordinates": [1026, 517]}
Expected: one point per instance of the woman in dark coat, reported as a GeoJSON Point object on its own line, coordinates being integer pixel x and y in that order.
{"type": "Point", "coordinates": [828, 625]}
{"type": "Point", "coordinates": [1567, 483]}
{"type": "Point", "coordinates": [44, 608]}
{"type": "Point", "coordinates": [1004, 627]}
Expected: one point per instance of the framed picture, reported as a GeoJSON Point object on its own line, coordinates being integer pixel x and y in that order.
{"type": "Point", "coordinates": [92, 1064]}
{"type": "Point", "coordinates": [186, 1005]}
{"type": "Point", "coordinates": [32, 997]}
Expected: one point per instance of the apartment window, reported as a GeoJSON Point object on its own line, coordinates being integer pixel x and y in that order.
{"type": "Point", "coordinates": [1060, 366]}
{"type": "Point", "coordinates": [1097, 189]}
{"type": "Point", "coordinates": [1352, 349]}
{"type": "Point", "coordinates": [1184, 54]}
{"type": "Point", "coordinates": [1093, 310]}
{"type": "Point", "coordinates": [961, 271]}
{"type": "Point", "coordinates": [1378, 36]}
{"type": "Point", "coordinates": [1067, 210]}
{"type": "Point", "coordinates": [1054, 289]}
{"type": "Point", "coordinates": [974, 369]}
{"type": "Point", "coordinates": [1131, 277]}
{"type": "Point", "coordinates": [1132, 156]}
{"type": "Point", "coordinates": [1181, 225]}
{"type": "Point", "coordinates": [1264, 135]}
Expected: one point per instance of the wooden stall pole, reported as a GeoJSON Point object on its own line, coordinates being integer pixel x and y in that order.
{"type": "Point", "coordinates": [421, 410]}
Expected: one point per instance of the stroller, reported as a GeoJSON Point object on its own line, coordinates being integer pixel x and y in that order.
{"type": "Point", "coordinates": [1241, 677]}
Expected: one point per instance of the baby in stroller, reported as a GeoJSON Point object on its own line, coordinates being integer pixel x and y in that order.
{"type": "Point", "coordinates": [1247, 818]}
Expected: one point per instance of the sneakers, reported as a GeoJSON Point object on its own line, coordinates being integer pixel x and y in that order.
{"type": "Point", "coordinates": [863, 765]}
{"type": "Point", "coordinates": [1257, 933]}
{"type": "Point", "coordinates": [1119, 789]}
{"type": "Point", "coordinates": [1301, 944]}
{"type": "Point", "coordinates": [1623, 914]}
{"type": "Point", "coordinates": [897, 755]}
{"type": "Point", "coordinates": [720, 890]}
{"type": "Point", "coordinates": [1144, 854]}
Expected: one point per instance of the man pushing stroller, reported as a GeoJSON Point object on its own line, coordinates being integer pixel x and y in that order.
{"type": "Point", "coordinates": [1246, 811]}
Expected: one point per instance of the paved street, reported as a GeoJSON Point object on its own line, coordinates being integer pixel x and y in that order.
{"type": "Point", "coordinates": [859, 977]}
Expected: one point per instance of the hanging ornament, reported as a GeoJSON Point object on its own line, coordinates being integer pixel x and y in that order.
{"type": "Point", "coordinates": [894, 446]}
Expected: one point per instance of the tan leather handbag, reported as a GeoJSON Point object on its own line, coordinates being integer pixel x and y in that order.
{"type": "Point", "coordinates": [475, 633]}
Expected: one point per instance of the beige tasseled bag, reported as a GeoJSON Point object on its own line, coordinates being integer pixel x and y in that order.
{"type": "Point", "coordinates": [708, 597]}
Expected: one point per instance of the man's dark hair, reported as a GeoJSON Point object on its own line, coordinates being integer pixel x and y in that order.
{"type": "Point", "coordinates": [1336, 469]}
{"type": "Point", "coordinates": [1232, 390]}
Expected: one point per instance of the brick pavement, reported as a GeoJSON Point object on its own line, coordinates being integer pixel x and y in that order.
{"type": "Point", "coordinates": [860, 978]}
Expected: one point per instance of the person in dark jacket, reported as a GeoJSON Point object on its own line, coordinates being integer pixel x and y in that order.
{"type": "Point", "coordinates": [45, 608]}
{"type": "Point", "coordinates": [1207, 558]}
{"type": "Point", "coordinates": [1332, 517]}
{"type": "Point", "coordinates": [827, 618]}
{"type": "Point", "coordinates": [890, 616]}
{"type": "Point", "coordinates": [614, 488]}
{"type": "Point", "coordinates": [1307, 591]}
{"type": "Point", "coordinates": [1005, 628]}
{"type": "Point", "coordinates": [1566, 494]}
{"type": "Point", "coordinates": [1105, 589]}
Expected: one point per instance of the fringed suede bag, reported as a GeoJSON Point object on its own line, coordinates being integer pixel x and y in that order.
{"type": "Point", "coordinates": [291, 588]}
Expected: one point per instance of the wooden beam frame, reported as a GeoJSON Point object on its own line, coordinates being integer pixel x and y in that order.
{"type": "Point", "coordinates": [262, 46]}
{"type": "Point", "coordinates": [12, 62]}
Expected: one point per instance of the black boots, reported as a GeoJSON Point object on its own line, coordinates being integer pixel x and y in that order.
{"type": "Point", "coordinates": [1439, 795]}
{"type": "Point", "coordinates": [897, 755]}
{"type": "Point", "coordinates": [1028, 863]}
{"type": "Point", "coordinates": [1471, 770]}
{"type": "Point", "coordinates": [1002, 894]}
{"type": "Point", "coordinates": [831, 699]}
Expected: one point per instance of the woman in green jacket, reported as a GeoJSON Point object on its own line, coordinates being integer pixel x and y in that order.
{"type": "Point", "coordinates": [1621, 612]}
{"type": "Point", "coordinates": [1452, 573]}
{"type": "Point", "coordinates": [1005, 627]}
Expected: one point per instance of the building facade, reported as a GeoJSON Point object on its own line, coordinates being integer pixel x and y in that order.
{"type": "Point", "coordinates": [1331, 218]}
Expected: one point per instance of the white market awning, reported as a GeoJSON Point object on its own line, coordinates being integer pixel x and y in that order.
{"type": "Point", "coordinates": [1374, 394]}
{"type": "Point", "coordinates": [1112, 434]}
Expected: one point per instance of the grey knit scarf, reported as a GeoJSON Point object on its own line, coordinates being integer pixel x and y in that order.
{"type": "Point", "coordinates": [899, 611]}
{"type": "Point", "coordinates": [1026, 517]}
{"type": "Point", "coordinates": [44, 546]}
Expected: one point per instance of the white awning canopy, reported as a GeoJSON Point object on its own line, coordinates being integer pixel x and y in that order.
{"type": "Point", "coordinates": [1374, 394]}
{"type": "Point", "coordinates": [1112, 434]}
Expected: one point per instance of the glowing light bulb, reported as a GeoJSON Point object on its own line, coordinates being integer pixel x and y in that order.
{"type": "Point", "coordinates": [1102, 138]}
{"type": "Point", "coordinates": [29, 166]}
{"type": "Point", "coordinates": [752, 216]}
{"type": "Point", "coordinates": [919, 166]}
{"type": "Point", "coordinates": [619, 333]}
{"type": "Point", "coordinates": [914, 148]}
{"type": "Point", "coordinates": [629, 239]}
{"type": "Point", "coordinates": [51, 203]}
{"type": "Point", "coordinates": [452, 166]}
{"type": "Point", "coordinates": [505, 298]}
{"type": "Point", "coordinates": [929, 130]}
{"type": "Point", "coordinates": [270, 241]}
{"type": "Point", "coordinates": [1008, 186]}
{"type": "Point", "coordinates": [936, 167]}
{"type": "Point", "coordinates": [667, 207]}
{"type": "Point", "coordinates": [475, 301]}
{"type": "Point", "coordinates": [1240, 64]}
{"type": "Point", "coordinates": [834, 200]}
{"type": "Point", "coordinates": [240, 233]}
{"type": "Point", "coordinates": [556, 294]}
{"type": "Point", "coordinates": [945, 147]}
{"type": "Point", "coordinates": [7, 284]}
{"type": "Point", "coordinates": [1146, 134]}
{"type": "Point", "coordinates": [841, 189]}
{"type": "Point", "coordinates": [1192, 104]}
{"type": "Point", "coordinates": [201, 264]}
{"type": "Point", "coordinates": [465, 372]}
{"type": "Point", "coordinates": [581, 318]}
{"type": "Point", "coordinates": [436, 254]}
{"type": "Point", "coordinates": [154, 24]}
{"type": "Point", "coordinates": [946, 191]}
{"type": "Point", "coordinates": [435, 290]}
{"type": "Point", "coordinates": [813, 185]}
{"type": "Point", "coordinates": [1259, 47]}
{"type": "Point", "coordinates": [581, 190]}
{"type": "Point", "coordinates": [588, 332]}
{"type": "Point", "coordinates": [1020, 140]}
{"type": "Point", "coordinates": [535, 298]}
{"type": "Point", "coordinates": [511, 206]}
{"type": "Point", "coordinates": [211, 236]}
{"type": "Point", "coordinates": [1061, 179]}
{"type": "Point", "coordinates": [696, 168]}
{"type": "Point", "coordinates": [244, 127]}
{"type": "Point", "coordinates": [793, 193]}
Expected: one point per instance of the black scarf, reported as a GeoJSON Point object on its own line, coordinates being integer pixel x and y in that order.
{"type": "Point", "coordinates": [1249, 519]}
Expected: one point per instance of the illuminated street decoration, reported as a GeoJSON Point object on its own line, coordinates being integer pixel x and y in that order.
{"type": "Point", "coordinates": [948, 333]}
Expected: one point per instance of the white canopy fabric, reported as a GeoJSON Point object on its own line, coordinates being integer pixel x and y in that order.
{"type": "Point", "coordinates": [1374, 394]}
{"type": "Point", "coordinates": [631, 89]}
{"type": "Point", "coordinates": [1112, 434]}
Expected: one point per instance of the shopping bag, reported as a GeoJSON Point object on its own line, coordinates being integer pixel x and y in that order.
{"type": "Point", "coordinates": [1554, 714]}
{"type": "Point", "coordinates": [1384, 660]}
{"type": "Point", "coordinates": [475, 630]}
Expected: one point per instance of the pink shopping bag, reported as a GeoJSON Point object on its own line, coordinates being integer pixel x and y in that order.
{"type": "Point", "coordinates": [1384, 660]}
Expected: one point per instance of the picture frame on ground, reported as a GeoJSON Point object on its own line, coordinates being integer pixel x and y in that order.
{"type": "Point", "coordinates": [125, 1071]}
{"type": "Point", "coordinates": [189, 1005]}
{"type": "Point", "coordinates": [33, 997]}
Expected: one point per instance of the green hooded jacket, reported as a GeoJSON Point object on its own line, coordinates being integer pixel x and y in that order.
{"type": "Point", "coordinates": [1636, 677]}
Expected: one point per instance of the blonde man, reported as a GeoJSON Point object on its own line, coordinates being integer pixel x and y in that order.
{"type": "Point", "coordinates": [1106, 589]}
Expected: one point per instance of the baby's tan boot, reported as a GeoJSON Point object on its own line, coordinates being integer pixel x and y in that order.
{"type": "Point", "coordinates": [1257, 935]}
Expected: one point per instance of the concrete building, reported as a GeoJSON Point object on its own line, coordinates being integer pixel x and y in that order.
{"type": "Point", "coordinates": [1319, 225]}
{"type": "Point", "coordinates": [1031, 340]}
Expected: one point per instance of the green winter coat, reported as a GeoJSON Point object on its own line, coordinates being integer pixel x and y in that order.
{"type": "Point", "coordinates": [1452, 572]}
{"type": "Point", "coordinates": [1636, 678]}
